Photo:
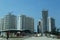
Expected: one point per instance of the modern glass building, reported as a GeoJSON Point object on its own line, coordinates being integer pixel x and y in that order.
{"type": "Point", "coordinates": [44, 20]}
{"type": "Point", "coordinates": [26, 23]}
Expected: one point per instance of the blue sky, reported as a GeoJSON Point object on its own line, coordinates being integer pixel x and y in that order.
{"type": "Point", "coordinates": [31, 8]}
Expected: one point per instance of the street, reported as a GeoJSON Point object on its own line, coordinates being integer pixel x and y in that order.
{"type": "Point", "coordinates": [30, 38]}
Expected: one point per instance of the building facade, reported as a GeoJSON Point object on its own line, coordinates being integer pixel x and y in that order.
{"type": "Point", "coordinates": [26, 23]}
{"type": "Point", "coordinates": [1, 24]}
{"type": "Point", "coordinates": [51, 24]}
{"type": "Point", "coordinates": [39, 26]}
{"type": "Point", "coordinates": [44, 20]}
{"type": "Point", "coordinates": [10, 22]}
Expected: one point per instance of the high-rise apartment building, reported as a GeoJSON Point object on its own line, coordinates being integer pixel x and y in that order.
{"type": "Point", "coordinates": [10, 22]}
{"type": "Point", "coordinates": [1, 24]}
{"type": "Point", "coordinates": [51, 24]}
{"type": "Point", "coordinates": [44, 20]}
{"type": "Point", "coordinates": [26, 23]}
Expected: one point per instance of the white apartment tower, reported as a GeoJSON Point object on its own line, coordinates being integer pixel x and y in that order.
{"type": "Point", "coordinates": [10, 22]}
{"type": "Point", "coordinates": [25, 23]}
{"type": "Point", "coordinates": [51, 24]}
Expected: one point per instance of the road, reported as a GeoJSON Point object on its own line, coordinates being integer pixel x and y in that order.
{"type": "Point", "coordinates": [30, 38]}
